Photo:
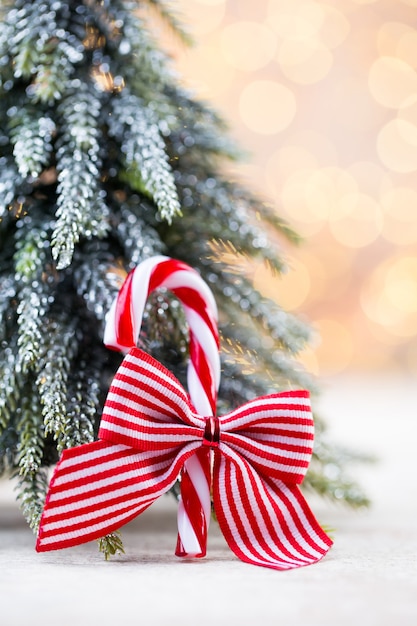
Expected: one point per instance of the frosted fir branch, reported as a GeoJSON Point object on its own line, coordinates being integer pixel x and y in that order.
{"type": "Point", "coordinates": [93, 281]}
{"type": "Point", "coordinates": [111, 544]}
{"type": "Point", "coordinates": [139, 240]}
{"type": "Point", "coordinates": [146, 160]}
{"type": "Point", "coordinates": [24, 28]}
{"type": "Point", "coordinates": [8, 292]}
{"type": "Point", "coordinates": [11, 386]}
{"type": "Point", "coordinates": [52, 379]}
{"type": "Point", "coordinates": [328, 471]}
{"type": "Point", "coordinates": [148, 70]}
{"type": "Point", "coordinates": [31, 312]}
{"type": "Point", "coordinates": [81, 208]}
{"type": "Point", "coordinates": [192, 135]}
{"type": "Point", "coordinates": [274, 370]}
{"type": "Point", "coordinates": [30, 254]}
{"type": "Point", "coordinates": [229, 222]}
{"type": "Point", "coordinates": [234, 388]}
{"type": "Point", "coordinates": [82, 408]}
{"type": "Point", "coordinates": [32, 145]}
{"type": "Point", "coordinates": [283, 330]}
{"type": "Point", "coordinates": [171, 17]}
{"type": "Point", "coordinates": [42, 51]}
{"type": "Point", "coordinates": [29, 260]}
{"type": "Point", "coordinates": [79, 114]}
{"type": "Point", "coordinates": [31, 496]}
{"type": "Point", "coordinates": [10, 181]}
{"type": "Point", "coordinates": [31, 429]}
{"type": "Point", "coordinates": [151, 77]}
{"type": "Point", "coordinates": [77, 184]}
{"type": "Point", "coordinates": [265, 212]}
{"type": "Point", "coordinates": [55, 66]}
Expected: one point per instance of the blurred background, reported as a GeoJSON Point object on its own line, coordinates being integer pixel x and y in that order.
{"type": "Point", "coordinates": [323, 98]}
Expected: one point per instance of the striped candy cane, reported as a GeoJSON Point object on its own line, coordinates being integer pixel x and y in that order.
{"type": "Point", "coordinates": [203, 373]}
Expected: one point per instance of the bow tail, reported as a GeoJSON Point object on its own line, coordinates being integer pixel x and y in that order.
{"type": "Point", "coordinates": [98, 487]}
{"type": "Point", "coordinates": [266, 523]}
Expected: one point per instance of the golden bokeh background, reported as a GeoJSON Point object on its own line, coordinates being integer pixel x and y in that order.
{"type": "Point", "coordinates": [323, 96]}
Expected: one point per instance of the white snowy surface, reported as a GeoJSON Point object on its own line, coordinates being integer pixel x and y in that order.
{"type": "Point", "coordinates": [368, 578]}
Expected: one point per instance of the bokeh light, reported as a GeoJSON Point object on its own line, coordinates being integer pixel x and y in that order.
{"type": "Point", "coordinates": [211, 14]}
{"type": "Point", "coordinates": [397, 146]}
{"type": "Point", "coordinates": [411, 3]}
{"type": "Point", "coordinates": [335, 26]}
{"type": "Point", "coordinates": [389, 296]}
{"type": "Point", "coordinates": [289, 290]}
{"type": "Point", "coordinates": [407, 47]}
{"type": "Point", "coordinates": [391, 81]}
{"type": "Point", "coordinates": [335, 348]}
{"type": "Point", "coordinates": [388, 37]}
{"type": "Point", "coordinates": [267, 107]}
{"type": "Point", "coordinates": [400, 224]}
{"type": "Point", "coordinates": [234, 41]}
{"type": "Point", "coordinates": [356, 220]}
{"type": "Point", "coordinates": [324, 97]}
{"type": "Point", "coordinates": [304, 61]}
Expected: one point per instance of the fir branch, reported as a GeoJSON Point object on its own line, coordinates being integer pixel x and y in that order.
{"type": "Point", "coordinates": [34, 294]}
{"type": "Point", "coordinates": [93, 279]}
{"type": "Point", "coordinates": [55, 66]}
{"type": "Point", "coordinates": [139, 240]}
{"type": "Point", "coordinates": [105, 22]}
{"type": "Point", "coordinates": [8, 448]}
{"type": "Point", "coordinates": [53, 373]}
{"type": "Point", "coordinates": [170, 16]}
{"type": "Point", "coordinates": [8, 292]}
{"type": "Point", "coordinates": [286, 333]}
{"type": "Point", "coordinates": [82, 408]}
{"type": "Point", "coordinates": [10, 181]}
{"type": "Point", "coordinates": [32, 482]}
{"type": "Point", "coordinates": [31, 494]}
{"type": "Point", "coordinates": [12, 384]}
{"type": "Point", "coordinates": [148, 71]}
{"type": "Point", "coordinates": [193, 129]}
{"type": "Point", "coordinates": [31, 428]}
{"type": "Point", "coordinates": [111, 544]}
{"type": "Point", "coordinates": [81, 209]}
{"type": "Point", "coordinates": [337, 489]}
{"type": "Point", "coordinates": [42, 52]}
{"type": "Point", "coordinates": [231, 223]}
{"type": "Point", "coordinates": [269, 214]}
{"type": "Point", "coordinates": [194, 111]}
{"type": "Point", "coordinates": [30, 325]}
{"type": "Point", "coordinates": [25, 24]}
{"type": "Point", "coordinates": [30, 254]}
{"type": "Point", "coordinates": [146, 161]}
{"type": "Point", "coordinates": [328, 473]}
{"type": "Point", "coordinates": [31, 135]}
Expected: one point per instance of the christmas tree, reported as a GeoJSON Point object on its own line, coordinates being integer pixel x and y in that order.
{"type": "Point", "coordinates": [106, 159]}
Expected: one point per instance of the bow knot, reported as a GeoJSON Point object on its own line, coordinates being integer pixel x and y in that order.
{"type": "Point", "coordinates": [149, 430]}
{"type": "Point", "coordinates": [211, 437]}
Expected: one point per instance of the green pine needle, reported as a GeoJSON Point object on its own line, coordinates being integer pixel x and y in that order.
{"type": "Point", "coordinates": [111, 544]}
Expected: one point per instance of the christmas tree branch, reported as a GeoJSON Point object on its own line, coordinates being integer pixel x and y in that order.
{"type": "Point", "coordinates": [81, 209]}
{"type": "Point", "coordinates": [146, 164]}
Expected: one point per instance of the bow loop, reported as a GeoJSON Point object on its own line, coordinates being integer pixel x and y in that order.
{"type": "Point", "coordinates": [147, 408]}
{"type": "Point", "coordinates": [274, 433]}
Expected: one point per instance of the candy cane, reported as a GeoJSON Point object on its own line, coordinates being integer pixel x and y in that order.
{"type": "Point", "coordinates": [122, 330]}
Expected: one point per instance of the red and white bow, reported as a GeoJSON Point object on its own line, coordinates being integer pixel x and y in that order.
{"type": "Point", "coordinates": [149, 429]}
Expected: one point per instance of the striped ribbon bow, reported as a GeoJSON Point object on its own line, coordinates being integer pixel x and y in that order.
{"type": "Point", "coordinates": [149, 429]}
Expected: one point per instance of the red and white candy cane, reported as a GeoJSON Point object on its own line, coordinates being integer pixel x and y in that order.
{"type": "Point", "coordinates": [123, 325]}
